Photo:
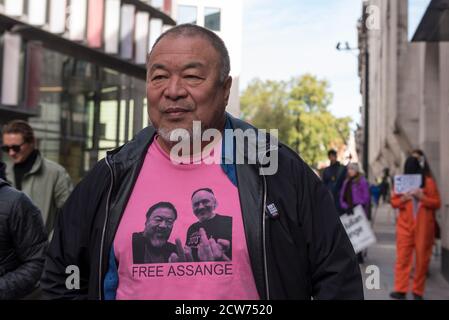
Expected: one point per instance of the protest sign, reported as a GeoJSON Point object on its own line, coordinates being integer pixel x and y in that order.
{"type": "Point", "coordinates": [407, 182]}
{"type": "Point", "coordinates": [358, 229]}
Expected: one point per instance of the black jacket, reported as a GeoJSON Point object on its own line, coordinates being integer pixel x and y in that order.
{"type": "Point", "coordinates": [303, 253]}
{"type": "Point", "coordinates": [23, 241]}
{"type": "Point", "coordinates": [2, 170]}
{"type": "Point", "coordinates": [333, 178]}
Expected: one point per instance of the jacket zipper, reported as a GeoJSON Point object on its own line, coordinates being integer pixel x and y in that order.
{"type": "Point", "coordinates": [100, 269]}
{"type": "Point", "coordinates": [264, 240]}
{"type": "Point", "coordinates": [267, 285]}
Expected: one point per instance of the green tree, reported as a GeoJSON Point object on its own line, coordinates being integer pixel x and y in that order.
{"type": "Point", "coordinates": [299, 109]}
{"type": "Point", "coordinates": [265, 104]}
{"type": "Point", "coordinates": [313, 93]}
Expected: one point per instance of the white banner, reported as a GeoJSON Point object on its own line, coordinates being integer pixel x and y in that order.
{"type": "Point", "coordinates": [407, 182]}
{"type": "Point", "coordinates": [358, 229]}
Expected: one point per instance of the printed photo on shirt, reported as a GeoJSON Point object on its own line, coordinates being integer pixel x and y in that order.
{"type": "Point", "coordinates": [152, 245]}
{"type": "Point", "coordinates": [211, 237]}
{"type": "Point", "coordinates": [208, 239]}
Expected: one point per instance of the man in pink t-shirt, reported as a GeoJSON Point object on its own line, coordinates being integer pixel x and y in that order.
{"type": "Point", "coordinates": [257, 224]}
{"type": "Point", "coordinates": [193, 245]}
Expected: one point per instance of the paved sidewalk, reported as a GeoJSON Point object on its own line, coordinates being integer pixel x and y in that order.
{"type": "Point", "coordinates": [383, 255]}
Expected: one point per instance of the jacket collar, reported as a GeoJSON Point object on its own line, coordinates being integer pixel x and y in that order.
{"type": "Point", "coordinates": [3, 183]}
{"type": "Point", "coordinates": [126, 156]}
{"type": "Point", "coordinates": [270, 144]}
{"type": "Point", "coordinates": [38, 163]}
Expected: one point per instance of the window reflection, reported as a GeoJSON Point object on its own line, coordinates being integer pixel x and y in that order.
{"type": "Point", "coordinates": [212, 18]}
{"type": "Point", "coordinates": [187, 14]}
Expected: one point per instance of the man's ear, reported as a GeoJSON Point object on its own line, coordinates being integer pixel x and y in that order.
{"type": "Point", "coordinates": [215, 203]}
{"type": "Point", "coordinates": [227, 88]}
{"type": "Point", "coordinates": [34, 143]}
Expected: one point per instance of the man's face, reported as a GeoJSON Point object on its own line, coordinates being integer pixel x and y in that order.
{"type": "Point", "coordinates": [203, 205]}
{"type": "Point", "coordinates": [158, 226]}
{"type": "Point", "coordinates": [352, 173]}
{"type": "Point", "coordinates": [16, 139]}
{"type": "Point", "coordinates": [333, 158]}
{"type": "Point", "coordinates": [183, 85]}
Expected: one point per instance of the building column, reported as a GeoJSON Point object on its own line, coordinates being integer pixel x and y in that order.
{"type": "Point", "coordinates": [429, 120]}
{"type": "Point", "coordinates": [444, 156]}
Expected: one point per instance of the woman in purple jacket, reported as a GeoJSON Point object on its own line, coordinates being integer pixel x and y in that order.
{"type": "Point", "coordinates": [355, 191]}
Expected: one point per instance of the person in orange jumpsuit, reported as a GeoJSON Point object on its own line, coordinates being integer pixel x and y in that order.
{"type": "Point", "coordinates": [415, 228]}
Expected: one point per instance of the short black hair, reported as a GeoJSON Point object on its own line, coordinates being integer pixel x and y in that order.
{"type": "Point", "coordinates": [20, 127]}
{"type": "Point", "coordinates": [202, 189]}
{"type": "Point", "coordinates": [161, 204]}
{"type": "Point", "coordinates": [331, 152]}
{"type": "Point", "coordinates": [426, 167]}
{"type": "Point", "coordinates": [191, 30]}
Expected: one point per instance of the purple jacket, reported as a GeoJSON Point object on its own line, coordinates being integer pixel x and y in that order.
{"type": "Point", "coordinates": [360, 193]}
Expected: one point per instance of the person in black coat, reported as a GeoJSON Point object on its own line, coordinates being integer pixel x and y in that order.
{"type": "Point", "coordinates": [23, 242]}
{"type": "Point", "coordinates": [2, 171]}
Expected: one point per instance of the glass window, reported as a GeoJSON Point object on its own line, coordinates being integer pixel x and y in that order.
{"type": "Point", "coordinates": [212, 18]}
{"type": "Point", "coordinates": [84, 111]}
{"type": "Point", "coordinates": [187, 14]}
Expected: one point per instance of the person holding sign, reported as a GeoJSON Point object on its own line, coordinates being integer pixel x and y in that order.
{"type": "Point", "coordinates": [415, 228]}
{"type": "Point", "coordinates": [355, 191]}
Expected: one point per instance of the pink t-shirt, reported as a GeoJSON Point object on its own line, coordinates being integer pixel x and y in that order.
{"type": "Point", "coordinates": [199, 252]}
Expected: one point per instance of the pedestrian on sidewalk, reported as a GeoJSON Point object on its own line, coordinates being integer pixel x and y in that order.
{"type": "Point", "coordinates": [375, 194]}
{"type": "Point", "coordinates": [333, 177]}
{"type": "Point", "coordinates": [355, 191]}
{"type": "Point", "coordinates": [415, 228]}
{"type": "Point", "coordinates": [44, 181]}
{"type": "Point", "coordinates": [23, 242]}
{"type": "Point", "coordinates": [385, 186]}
